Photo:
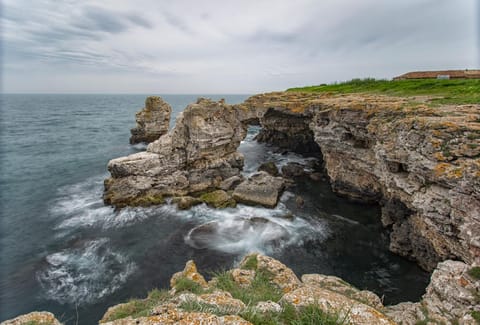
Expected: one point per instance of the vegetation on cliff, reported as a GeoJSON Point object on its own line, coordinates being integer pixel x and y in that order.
{"type": "Point", "coordinates": [465, 91]}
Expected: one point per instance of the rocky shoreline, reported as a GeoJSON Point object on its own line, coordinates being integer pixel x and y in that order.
{"type": "Point", "coordinates": [420, 162]}
{"type": "Point", "coordinates": [262, 290]}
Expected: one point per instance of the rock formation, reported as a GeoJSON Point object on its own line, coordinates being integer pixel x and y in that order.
{"type": "Point", "coordinates": [152, 121]}
{"type": "Point", "coordinates": [195, 156]}
{"type": "Point", "coordinates": [212, 303]}
{"type": "Point", "coordinates": [239, 295]}
{"type": "Point", "coordinates": [420, 162]}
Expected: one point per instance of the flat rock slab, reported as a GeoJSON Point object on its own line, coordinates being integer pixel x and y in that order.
{"type": "Point", "coordinates": [260, 189]}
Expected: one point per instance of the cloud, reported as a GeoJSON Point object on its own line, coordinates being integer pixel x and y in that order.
{"type": "Point", "coordinates": [220, 46]}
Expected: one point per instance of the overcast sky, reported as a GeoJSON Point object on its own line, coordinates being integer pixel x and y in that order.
{"type": "Point", "coordinates": [226, 46]}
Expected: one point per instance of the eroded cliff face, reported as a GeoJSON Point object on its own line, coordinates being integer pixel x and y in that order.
{"type": "Point", "coordinates": [288, 129]}
{"type": "Point", "coordinates": [152, 121]}
{"type": "Point", "coordinates": [196, 155]}
{"type": "Point", "coordinates": [420, 162]}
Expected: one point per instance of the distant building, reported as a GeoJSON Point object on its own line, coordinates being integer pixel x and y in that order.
{"type": "Point", "coordinates": [445, 74]}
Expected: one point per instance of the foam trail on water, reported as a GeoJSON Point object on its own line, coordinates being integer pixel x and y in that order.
{"type": "Point", "coordinates": [84, 274]}
{"type": "Point", "coordinates": [81, 206]}
{"type": "Point", "coordinates": [244, 229]}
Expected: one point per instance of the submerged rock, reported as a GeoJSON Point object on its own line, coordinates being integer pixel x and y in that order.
{"type": "Point", "coordinates": [152, 121]}
{"type": "Point", "coordinates": [293, 169]}
{"type": "Point", "coordinates": [260, 189]}
{"type": "Point", "coordinates": [218, 233]}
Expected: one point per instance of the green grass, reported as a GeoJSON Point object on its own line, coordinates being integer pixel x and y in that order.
{"type": "Point", "coordinates": [474, 272]}
{"type": "Point", "coordinates": [251, 263]}
{"type": "Point", "coordinates": [476, 315]}
{"type": "Point", "coordinates": [184, 284]}
{"type": "Point", "coordinates": [454, 91]}
{"type": "Point", "coordinates": [308, 315]}
{"type": "Point", "coordinates": [261, 288]}
{"type": "Point", "coordinates": [139, 307]}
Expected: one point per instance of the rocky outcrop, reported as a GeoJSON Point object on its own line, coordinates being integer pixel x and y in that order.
{"type": "Point", "coordinates": [43, 318]}
{"type": "Point", "coordinates": [421, 163]}
{"type": "Point", "coordinates": [262, 288]}
{"type": "Point", "coordinates": [452, 297]}
{"type": "Point", "coordinates": [215, 304]}
{"type": "Point", "coordinates": [195, 156]}
{"type": "Point", "coordinates": [152, 121]}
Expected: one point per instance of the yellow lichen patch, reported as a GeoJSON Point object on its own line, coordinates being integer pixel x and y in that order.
{"type": "Point", "coordinates": [439, 156]}
{"type": "Point", "coordinates": [441, 168]}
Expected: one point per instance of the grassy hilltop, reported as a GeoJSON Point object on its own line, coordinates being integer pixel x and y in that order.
{"type": "Point", "coordinates": [453, 91]}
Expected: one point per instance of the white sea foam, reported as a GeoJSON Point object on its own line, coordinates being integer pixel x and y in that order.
{"type": "Point", "coordinates": [245, 228]}
{"type": "Point", "coordinates": [84, 274]}
{"type": "Point", "coordinates": [81, 205]}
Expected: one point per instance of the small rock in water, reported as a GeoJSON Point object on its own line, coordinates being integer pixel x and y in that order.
{"type": "Point", "coordinates": [293, 170]}
{"type": "Point", "coordinates": [269, 167]}
{"type": "Point", "coordinates": [299, 201]}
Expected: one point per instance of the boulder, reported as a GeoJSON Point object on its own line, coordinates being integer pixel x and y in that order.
{"type": "Point", "coordinates": [152, 121]}
{"type": "Point", "coordinates": [231, 182]}
{"type": "Point", "coordinates": [259, 189]}
{"type": "Point", "coordinates": [269, 167]}
{"type": "Point", "coordinates": [293, 169]}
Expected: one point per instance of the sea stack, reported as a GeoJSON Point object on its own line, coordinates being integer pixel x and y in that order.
{"type": "Point", "coordinates": [152, 121]}
{"type": "Point", "coordinates": [194, 157]}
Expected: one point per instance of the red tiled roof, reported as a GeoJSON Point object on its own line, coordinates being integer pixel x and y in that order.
{"type": "Point", "coordinates": [467, 74]}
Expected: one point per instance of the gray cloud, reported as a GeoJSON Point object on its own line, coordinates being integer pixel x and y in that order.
{"type": "Point", "coordinates": [213, 46]}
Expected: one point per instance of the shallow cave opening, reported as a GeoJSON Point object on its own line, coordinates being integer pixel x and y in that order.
{"type": "Point", "coordinates": [350, 240]}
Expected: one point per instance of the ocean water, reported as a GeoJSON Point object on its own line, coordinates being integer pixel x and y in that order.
{"type": "Point", "coordinates": [64, 251]}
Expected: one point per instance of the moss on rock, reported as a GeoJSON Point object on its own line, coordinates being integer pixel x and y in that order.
{"type": "Point", "coordinates": [218, 199]}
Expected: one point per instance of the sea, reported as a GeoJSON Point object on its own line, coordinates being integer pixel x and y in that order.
{"type": "Point", "coordinates": [62, 250]}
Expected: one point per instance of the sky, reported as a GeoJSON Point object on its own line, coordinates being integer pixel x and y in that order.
{"type": "Point", "coordinates": [225, 46]}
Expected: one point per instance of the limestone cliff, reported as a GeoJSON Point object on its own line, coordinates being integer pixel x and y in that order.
{"type": "Point", "coordinates": [422, 163]}
{"type": "Point", "coordinates": [152, 121]}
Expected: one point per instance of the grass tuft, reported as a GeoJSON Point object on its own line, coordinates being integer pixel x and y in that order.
{"type": "Point", "coordinates": [251, 263]}
{"type": "Point", "coordinates": [261, 288]}
{"type": "Point", "coordinates": [474, 272]}
{"type": "Point", "coordinates": [184, 284]}
{"type": "Point", "coordinates": [138, 307]}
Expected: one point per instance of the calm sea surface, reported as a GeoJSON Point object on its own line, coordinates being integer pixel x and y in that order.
{"type": "Point", "coordinates": [61, 249]}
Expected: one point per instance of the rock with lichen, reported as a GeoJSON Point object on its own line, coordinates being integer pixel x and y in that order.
{"type": "Point", "coordinates": [152, 121]}
{"type": "Point", "coordinates": [420, 162]}
{"type": "Point", "coordinates": [33, 318]}
{"type": "Point", "coordinates": [197, 155]}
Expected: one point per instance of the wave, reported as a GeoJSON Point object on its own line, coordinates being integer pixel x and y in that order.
{"type": "Point", "coordinates": [84, 274]}
{"type": "Point", "coordinates": [245, 229]}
